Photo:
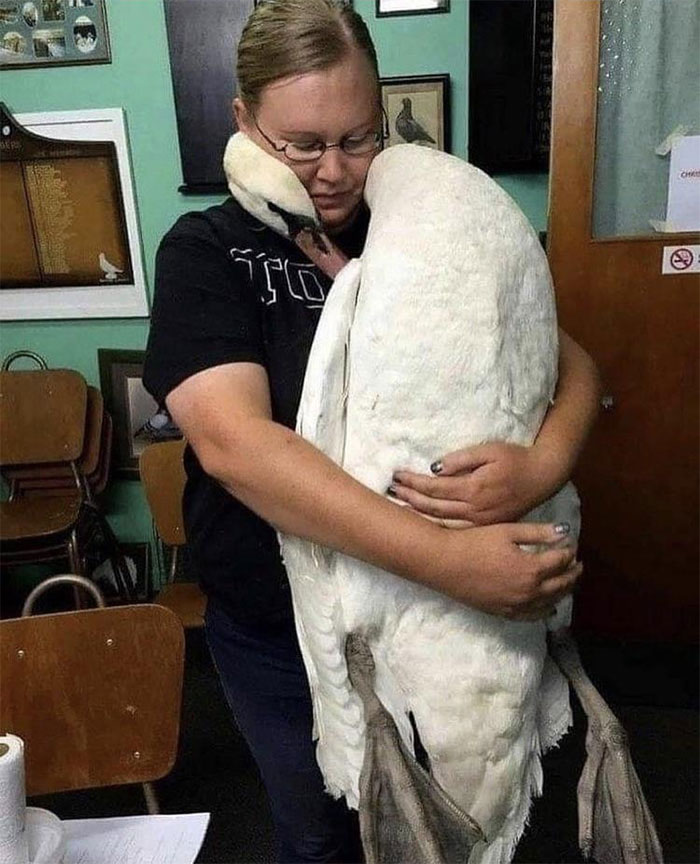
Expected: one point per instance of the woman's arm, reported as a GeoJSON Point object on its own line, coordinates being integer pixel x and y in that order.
{"type": "Point", "coordinates": [569, 420]}
{"type": "Point", "coordinates": [497, 482]}
{"type": "Point", "coordinates": [225, 414]}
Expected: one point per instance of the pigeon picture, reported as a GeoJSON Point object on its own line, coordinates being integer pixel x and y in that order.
{"type": "Point", "coordinates": [409, 128]}
{"type": "Point", "coordinates": [108, 268]}
{"type": "Point", "coordinates": [159, 427]}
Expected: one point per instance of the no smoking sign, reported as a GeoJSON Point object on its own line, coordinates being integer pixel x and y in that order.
{"type": "Point", "coordinates": [681, 259]}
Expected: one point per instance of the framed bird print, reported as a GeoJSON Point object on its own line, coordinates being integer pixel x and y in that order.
{"type": "Point", "coordinates": [417, 109]}
{"type": "Point", "coordinates": [138, 419]}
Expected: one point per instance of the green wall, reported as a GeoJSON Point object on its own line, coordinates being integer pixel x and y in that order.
{"type": "Point", "coordinates": [138, 80]}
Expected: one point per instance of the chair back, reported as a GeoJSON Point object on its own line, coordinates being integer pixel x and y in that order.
{"type": "Point", "coordinates": [163, 476]}
{"type": "Point", "coordinates": [42, 416]}
{"type": "Point", "coordinates": [54, 480]}
{"type": "Point", "coordinates": [95, 695]}
{"type": "Point", "coordinates": [50, 475]}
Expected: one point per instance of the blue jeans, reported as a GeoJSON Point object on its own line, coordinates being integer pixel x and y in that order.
{"type": "Point", "coordinates": [266, 688]}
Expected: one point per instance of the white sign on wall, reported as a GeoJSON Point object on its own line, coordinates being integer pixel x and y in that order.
{"type": "Point", "coordinates": [683, 209]}
{"type": "Point", "coordinates": [681, 259]}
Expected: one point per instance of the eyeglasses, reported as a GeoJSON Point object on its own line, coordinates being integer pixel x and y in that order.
{"type": "Point", "coordinates": [351, 145]}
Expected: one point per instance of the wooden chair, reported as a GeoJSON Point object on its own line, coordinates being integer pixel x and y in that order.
{"type": "Point", "coordinates": [163, 476]}
{"type": "Point", "coordinates": [95, 694]}
{"type": "Point", "coordinates": [42, 421]}
{"type": "Point", "coordinates": [93, 462]}
{"type": "Point", "coordinates": [47, 437]}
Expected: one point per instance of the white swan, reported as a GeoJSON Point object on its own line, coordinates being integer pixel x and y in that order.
{"type": "Point", "coordinates": [442, 336]}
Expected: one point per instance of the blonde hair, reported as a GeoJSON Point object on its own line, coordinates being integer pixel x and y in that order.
{"type": "Point", "coordinates": [292, 37]}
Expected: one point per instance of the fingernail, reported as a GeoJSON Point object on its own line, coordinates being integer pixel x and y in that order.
{"type": "Point", "coordinates": [436, 467]}
{"type": "Point", "coordinates": [562, 528]}
{"type": "Point", "coordinates": [391, 491]}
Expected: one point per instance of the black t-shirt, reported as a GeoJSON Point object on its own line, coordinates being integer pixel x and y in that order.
{"type": "Point", "coordinates": [228, 289]}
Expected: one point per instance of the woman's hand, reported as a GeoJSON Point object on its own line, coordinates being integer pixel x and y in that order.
{"type": "Point", "coordinates": [481, 485]}
{"type": "Point", "coordinates": [486, 568]}
{"type": "Point", "coordinates": [499, 482]}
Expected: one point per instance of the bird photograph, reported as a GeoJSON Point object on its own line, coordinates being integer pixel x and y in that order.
{"type": "Point", "coordinates": [410, 129]}
{"type": "Point", "coordinates": [159, 427]}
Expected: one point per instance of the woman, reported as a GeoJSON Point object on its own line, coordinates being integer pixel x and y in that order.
{"type": "Point", "coordinates": [235, 310]}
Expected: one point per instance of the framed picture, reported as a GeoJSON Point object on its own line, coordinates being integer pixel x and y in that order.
{"type": "Point", "coordinates": [53, 33]}
{"type": "Point", "coordinates": [385, 8]}
{"type": "Point", "coordinates": [138, 419]}
{"type": "Point", "coordinates": [203, 40]}
{"type": "Point", "coordinates": [138, 562]}
{"type": "Point", "coordinates": [510, 84]}
{"type": "Point", "coordinates": [80, 257]}
{"type": "Point", "coordinates": [418, 110]}
{"type": "Point", "coordinates": [140, 555]}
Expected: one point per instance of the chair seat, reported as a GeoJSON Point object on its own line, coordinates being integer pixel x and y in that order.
{"type": "Point", "coordinates": [186, 600]}
{"type": "Point", "coordinates": [36, 518]}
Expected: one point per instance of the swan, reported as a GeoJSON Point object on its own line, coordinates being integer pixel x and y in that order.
{"type": "Point", "coordinates": [441, 336]}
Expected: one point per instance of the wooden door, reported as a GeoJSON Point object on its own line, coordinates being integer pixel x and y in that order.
{"type": "Point", "coordinates": [638, 478]}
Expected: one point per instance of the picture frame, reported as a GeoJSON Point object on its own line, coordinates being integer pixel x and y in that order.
{"type": "Point", "coordinates": [63, 144]}
{"type": "Point", "coordinates": [390, 8]}
{"type": "Point", "coordinates": [35, 33]}
{"type": "Point", "coordinates": [138, 419]}
{"type": "Point", "coordinates": [140, 554]}
{"type": "Point", "coordinates": [203, 47]}
{"type": "Point", "coordinates": [509, 127]}
{"type": "Point", "coordinates": [140, 566]}
{"type": "Point", "coordinates": [417, 109]}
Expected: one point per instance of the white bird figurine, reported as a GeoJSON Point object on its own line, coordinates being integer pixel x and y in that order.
{"type": "Point", "coordinates": [442, 336]}
{"type": "Point", "coordinates": [108, 268]}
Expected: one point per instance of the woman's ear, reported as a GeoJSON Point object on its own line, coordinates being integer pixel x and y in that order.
{"type": "Point", "coordinates": [242, 115]}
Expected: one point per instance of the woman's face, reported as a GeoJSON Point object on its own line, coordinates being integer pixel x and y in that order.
{"type": "Point", "coordinates": [327, 105]}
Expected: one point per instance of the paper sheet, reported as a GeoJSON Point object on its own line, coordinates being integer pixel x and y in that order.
{"type": "Point", "coordinates": [135, 839]}
{"type": "Point", "coordinates": [683, 209]}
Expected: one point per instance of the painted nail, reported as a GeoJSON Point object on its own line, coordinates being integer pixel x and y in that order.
{"type": "Point", "coordinates": [391, 491]}
{"type": "Point", "coordinates": [562, 528]}
{"type": "Point", "coordinates": [436, 467]}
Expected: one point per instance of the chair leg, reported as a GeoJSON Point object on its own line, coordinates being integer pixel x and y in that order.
{"type": "Point", "coordinates": [76, 566]}
{"type": "Point", "coordinates": [173, 565]}
{"type": "Point", "coordinates": [149, 793]}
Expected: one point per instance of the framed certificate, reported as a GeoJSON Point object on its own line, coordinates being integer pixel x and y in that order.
{"type": "Point", "coordinates": [72, 248]}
